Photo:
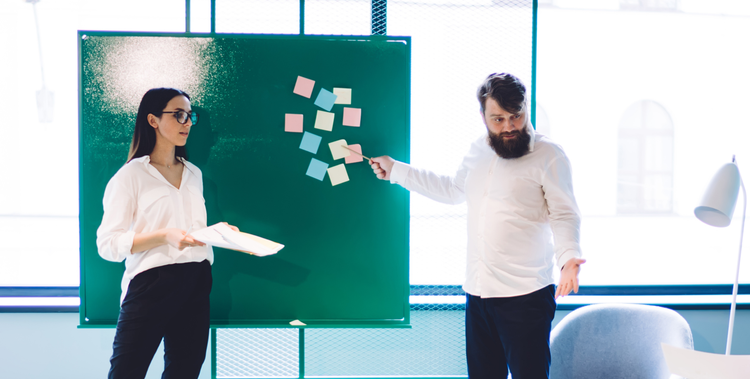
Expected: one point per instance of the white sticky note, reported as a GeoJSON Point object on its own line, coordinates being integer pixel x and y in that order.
{"type": "Point", "coordinates": [337, 149]}
{"type": "Point", "coordinates": [338, 174]}
{"type": "Point", "coordinates": [297, 323]}
{"type": "Point", "coordinates": [324, 120]}
{"type": "Point", "coordinates": [344, 95]}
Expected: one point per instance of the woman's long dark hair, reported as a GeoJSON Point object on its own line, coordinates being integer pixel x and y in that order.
{"type": "Point", "coordinates": [144, 135]}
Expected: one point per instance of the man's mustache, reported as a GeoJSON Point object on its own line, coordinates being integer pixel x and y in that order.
{"type": "Point", "coordinates": [513, 133]}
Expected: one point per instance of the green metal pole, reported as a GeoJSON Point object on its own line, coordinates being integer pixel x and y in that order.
{"type": "Point", "coordinates": [533, 62]}
{"type": "Point", "coordinates": [187, 16]}
{"type": "Point", "coordinates": [301, 17]}
{"type": "Point", "coordinates": [301, 353]}
{"type": "Point", "coordinates": [213, 16]}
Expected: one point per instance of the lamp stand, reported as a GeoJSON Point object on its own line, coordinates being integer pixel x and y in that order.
{"type": "Point", "coordinates": [737, 276]}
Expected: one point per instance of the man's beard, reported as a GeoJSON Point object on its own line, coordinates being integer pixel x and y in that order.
{"type": "Point", "coordinates": [509, 148]}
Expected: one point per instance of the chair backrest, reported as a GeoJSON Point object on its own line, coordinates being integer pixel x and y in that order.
{"type": "Point", "coordinates": [616, 341]}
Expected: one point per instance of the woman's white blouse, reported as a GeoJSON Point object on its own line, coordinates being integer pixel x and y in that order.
{"type": "Point", "coordinates": [138, 199]}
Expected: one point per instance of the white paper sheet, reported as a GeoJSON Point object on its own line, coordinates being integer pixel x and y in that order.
{"type": "Point", "coordinates": [220, 235]}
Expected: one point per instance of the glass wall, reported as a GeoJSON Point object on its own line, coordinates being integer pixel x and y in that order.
{"type": "Point", "coordinates": [645, 97]}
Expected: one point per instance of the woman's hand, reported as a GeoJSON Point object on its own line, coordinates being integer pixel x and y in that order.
{"type": "Point", "coordinates": [179, 239]}
{"type": "Point", "coordinates": [236, 229]}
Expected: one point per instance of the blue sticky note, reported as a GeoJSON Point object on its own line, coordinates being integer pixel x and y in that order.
{"type": "Point", "coordinates": [310, 142]}
{"type": "Point", "coordinates": [325, 99]}
{"type": "Point", "coordinates": [317, 169]}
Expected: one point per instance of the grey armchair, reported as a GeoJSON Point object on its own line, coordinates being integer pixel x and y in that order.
{"type": "Point", "coordinates": [616, 341]}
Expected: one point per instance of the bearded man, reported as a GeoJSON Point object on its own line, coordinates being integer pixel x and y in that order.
{"type": "Point", "coordinates": [519, 192]}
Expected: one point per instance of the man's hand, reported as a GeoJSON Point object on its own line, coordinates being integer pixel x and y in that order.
{"type": "Point", "coordinates": [382, 166]}
{"type": "Point", "coordinates": [569, 277]}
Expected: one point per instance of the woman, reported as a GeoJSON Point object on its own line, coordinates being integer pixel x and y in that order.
{"type": "Point", "coordinates": [150, 206]}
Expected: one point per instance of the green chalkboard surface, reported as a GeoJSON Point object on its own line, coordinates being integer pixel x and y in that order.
{"type": "Point", "coordinates": [346, 257]}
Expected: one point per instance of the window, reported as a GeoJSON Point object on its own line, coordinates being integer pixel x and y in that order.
{"type": "Point", "coordinates": [644, 160]}
{"type": "Point", "coordinates": [593, 66]}
{"type": "Point", "coordinates": [596, 74]}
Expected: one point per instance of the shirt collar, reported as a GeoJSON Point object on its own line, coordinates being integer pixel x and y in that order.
{"type": "Point", "coordinates": [144, 160]}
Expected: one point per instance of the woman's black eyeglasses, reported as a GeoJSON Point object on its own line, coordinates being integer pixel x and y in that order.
{"type": "Point", "coordinates": [182, 117]}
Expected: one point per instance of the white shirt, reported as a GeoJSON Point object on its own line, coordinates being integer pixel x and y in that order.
{"type": "Point", "coordinates": [138, 199]}
{"type": "Point", "coordinates": [515, 207]}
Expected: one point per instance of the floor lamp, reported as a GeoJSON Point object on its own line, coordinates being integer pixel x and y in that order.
{"type": "Point", "coordinates": [716, 209]}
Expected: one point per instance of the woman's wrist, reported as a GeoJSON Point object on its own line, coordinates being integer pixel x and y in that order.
{"type": "Point", "coordinates": [163, 236]}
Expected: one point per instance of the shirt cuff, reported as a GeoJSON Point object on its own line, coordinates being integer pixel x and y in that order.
{"type": "Point", "coordinates": [125, 244]}
{"type": "Point", "coordinates": [566, 256]}
{"type": "Point", "coordinates": [399, 171]}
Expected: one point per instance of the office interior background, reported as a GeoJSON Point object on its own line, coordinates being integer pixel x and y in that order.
{"type": "Point", "coordinates": [647, 97]}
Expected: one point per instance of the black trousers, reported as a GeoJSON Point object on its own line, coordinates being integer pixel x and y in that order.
{"type": "Point", "coordinates": [169, 302]}
{"type": "Point", "coordinates": [509, 333]}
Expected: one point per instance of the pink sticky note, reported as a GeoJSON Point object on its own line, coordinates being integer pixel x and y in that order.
{"type": "Point", "coordinates": [354, 158]}
{"type": "Point", "coordinates": [304, 87]}
{"type": "Point", "coordinates": [293, 123]}
{"type": "Point", "coordinates": [352, 116]}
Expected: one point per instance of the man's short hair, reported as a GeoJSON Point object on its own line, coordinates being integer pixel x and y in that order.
{"type": "Point", "coordinates": [506, 89]}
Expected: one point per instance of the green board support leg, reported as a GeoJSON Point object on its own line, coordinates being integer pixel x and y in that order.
{"type": "Point", "coordinates": [213, 353]}
{"type": "Point", "coordinates": [301, 353]}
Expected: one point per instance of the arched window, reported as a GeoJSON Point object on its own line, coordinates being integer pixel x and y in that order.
{"type": "Point", "coordinates": [645, 159]}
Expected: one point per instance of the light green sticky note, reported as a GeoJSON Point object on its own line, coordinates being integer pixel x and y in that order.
{"type": "Point", "coordinates": [338, 174]}
{"type": "Point", "coordinates": [344, 95]}
{"type": "Point", "coordinates": [337, 149]}
{"type": "Point", "coordinates": [324, 121]}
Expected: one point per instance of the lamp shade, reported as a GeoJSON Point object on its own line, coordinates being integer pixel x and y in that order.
{"type": "Point", "coordinates": [718, 202]}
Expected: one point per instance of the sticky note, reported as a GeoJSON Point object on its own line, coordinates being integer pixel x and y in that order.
{"type": "Point", "coordinates": [324, 121]}
{"type": "Point", "coordinates": [293, 123]}
{"type": "Point", "coordinates": [343, 95]}
{"type": "Point", "coordinates": [338, 174]}
{"type": "Point", "coordinates": [317, 169]}
{"type": "Point", "coordinates": [352, 116]}
{"type": "Point", "coordinates": [337, 149]}
{"type": "Point", "coordinates": [325, 99]}
{"type": "Point", "coordinates": [354, 158]}
{"type": "Point", "coordinates": [304, 87]}
{"type": "Point", "coordinates": [310, 142]}
{"type": "Point", "coordinates": [297, 323]}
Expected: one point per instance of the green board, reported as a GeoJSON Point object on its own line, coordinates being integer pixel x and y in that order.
{"type": "Point", "coordinates": [346, 257]}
